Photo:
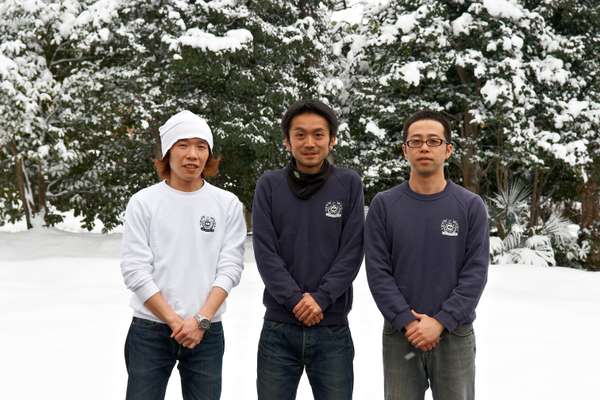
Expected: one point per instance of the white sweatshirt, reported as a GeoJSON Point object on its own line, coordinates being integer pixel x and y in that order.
{"type": "Point", "coordinates": [181, 244]}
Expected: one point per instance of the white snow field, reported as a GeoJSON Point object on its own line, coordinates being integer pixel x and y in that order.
{"type": "Point", "coordinates": [64, 316]}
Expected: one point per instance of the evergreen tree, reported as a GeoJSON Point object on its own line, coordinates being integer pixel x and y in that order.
{"type": "Point", "coordinates": [517, 80]}
{"type": "Point", "coordinates": [498, 70]}
{"type": "Point", "coordinates": [125, 67]}
{"type": "Point", "coordinates": [35, 56]}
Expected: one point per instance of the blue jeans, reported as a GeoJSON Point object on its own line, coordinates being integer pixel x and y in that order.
{"type": "Point", "coordinates": [150, 355]}
{"type": "Point", "coordinates": [284, 350]}
{"type": "Point", "coordinates": [449, 368]}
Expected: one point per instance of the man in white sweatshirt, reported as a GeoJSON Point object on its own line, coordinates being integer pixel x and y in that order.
{"type": "Point", "coordinates": [182, 253]}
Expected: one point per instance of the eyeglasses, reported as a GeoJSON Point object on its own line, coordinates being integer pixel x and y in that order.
{"type": "Point", "coordinates": [431, 142]}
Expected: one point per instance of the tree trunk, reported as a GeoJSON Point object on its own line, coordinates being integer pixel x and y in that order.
{"type": "Point", "coordinates": [470, 169]}
{"type": "Point", "coordinates": [590, 203]}
{"type": "Point", "coordinates": [21, 183]}
{"type": "Point", "coordinates": [534, 212]}
{"type": "Point", "coordinates": [42, 187]}
{"type": "Point", "coordinates": [589, 194]}
{"type": "Point", "coordinates": [248, 218]}
{"type": "Point", "coordinates": [502, 173]}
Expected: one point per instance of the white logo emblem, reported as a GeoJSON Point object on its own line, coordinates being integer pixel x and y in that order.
{"type": "Point", "coordinates": [333, 209]}
{"type": "Point", "coordinates": [449, 227]}
{"type": "Point", "coordinates": [207, 224]}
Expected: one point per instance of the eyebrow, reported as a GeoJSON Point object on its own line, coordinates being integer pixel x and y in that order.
{"type": "Point", "coordinates": [301, 129]}
{"type": "Point", "coordinates": [428, 135]}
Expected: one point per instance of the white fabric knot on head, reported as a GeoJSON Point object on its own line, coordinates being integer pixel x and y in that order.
{"type": "Point", "coordinates": [184, 125]}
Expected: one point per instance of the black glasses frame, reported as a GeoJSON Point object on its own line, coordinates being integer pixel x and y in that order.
{"type": "Point", "coordinates": [430, 142]}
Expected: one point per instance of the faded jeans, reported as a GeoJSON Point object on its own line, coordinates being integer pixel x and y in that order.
{"type": "Point", "coordinates": [449, 368]}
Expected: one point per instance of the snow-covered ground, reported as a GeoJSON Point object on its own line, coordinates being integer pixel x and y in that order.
{"type": "Point", "coordinates": [64, 315]}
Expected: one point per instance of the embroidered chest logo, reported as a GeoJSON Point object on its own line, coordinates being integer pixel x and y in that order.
{"type": "Point", "coordinates": [333, 209]}
{"type": "Point", "coordinates": [449, 227]}
{"type": "Point", "coordinates": [207, 224]}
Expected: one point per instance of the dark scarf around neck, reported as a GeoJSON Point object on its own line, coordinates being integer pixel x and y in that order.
{"type": "Point", "coordinates": [305, 185]}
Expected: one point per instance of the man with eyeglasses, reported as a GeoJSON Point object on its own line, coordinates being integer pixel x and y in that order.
{"type": "Point", "coordinates": [427, 254]}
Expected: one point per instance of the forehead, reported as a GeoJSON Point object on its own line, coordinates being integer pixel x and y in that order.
{"type": "Point", "coordinates": [309, 121]}
{"type": "Point", "coordinates": [192, 141]}
{"type": "Point", "coordinates": [426, 127]}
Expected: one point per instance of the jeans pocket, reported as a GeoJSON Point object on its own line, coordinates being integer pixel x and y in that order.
{"type": "Point", "coordinates": [146, 323]}
{"type": "Point", "coordinates": [463, 330]}
{"type": "Point", "coordinates": [388, 328]}
{"type": "Point", "coordinates": [216, 329]}
{"type": "Point", "coordinates": [274, 325]}
{"type": "Point", "coordinates": [337, 330]}
{"type": "Point", "coordinates": [147, 329]}
{"type": "Point", "coordinates": [336, 340]}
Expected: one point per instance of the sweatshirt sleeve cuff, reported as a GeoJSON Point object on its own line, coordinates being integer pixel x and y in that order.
{"type": "Point", "coordinates": [402, 319]}
{"type": "Point", "coordinates": [224, 283]}
{"type": "Point", "coordinates": [146, 291]}
{"type": "Point", "coordinates": [293, 300]}
{"type": "Point", "coordinates": [447, 320]}
{"type": "Point", "coordinates": [322, 299]}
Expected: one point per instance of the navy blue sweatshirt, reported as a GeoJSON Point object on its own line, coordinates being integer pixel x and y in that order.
{"type": "Point", "coordinates": [313, 245]}
{"type": "Point", "coordinates": [429, 253]}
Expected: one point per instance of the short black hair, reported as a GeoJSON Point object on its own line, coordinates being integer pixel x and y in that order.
{"type": "Point", "coordinates": [428, 114]}
{"type": "Point", "coordinates": [310, 107]}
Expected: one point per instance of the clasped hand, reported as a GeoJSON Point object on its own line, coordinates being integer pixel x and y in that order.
{"type": "Point", "coordinates": [308, 310]}
{"type": "Point", "coordinates": [424, 332]}
{"type": "Point", "coordinates": [187, 333]}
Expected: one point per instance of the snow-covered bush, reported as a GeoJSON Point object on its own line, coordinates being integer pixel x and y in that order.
{"type": "Point", "coordinates": [516, 240]}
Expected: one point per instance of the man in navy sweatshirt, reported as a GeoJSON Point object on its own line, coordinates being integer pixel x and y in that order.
{"type": "Point", "coordinates": [308, 242]}
{"type": "Point", "coordinates": [427, 252]}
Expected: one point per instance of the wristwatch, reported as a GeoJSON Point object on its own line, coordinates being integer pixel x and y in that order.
{"type": "Point", "coordinates": [202, 321]}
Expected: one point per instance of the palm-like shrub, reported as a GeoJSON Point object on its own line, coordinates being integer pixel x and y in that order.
{"type": "Point", "coordinates": [514, 242]}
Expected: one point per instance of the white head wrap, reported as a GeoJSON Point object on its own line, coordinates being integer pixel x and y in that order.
{"type": "Point", "coordinates": [184, 125]}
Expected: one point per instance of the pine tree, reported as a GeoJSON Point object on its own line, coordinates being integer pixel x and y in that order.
{"type": "Point", "coordinates": [122, 68]}
{"type": "Point", "coordinates": [501, 71]}
{"type": "Point", "coordinates": [34, 54]}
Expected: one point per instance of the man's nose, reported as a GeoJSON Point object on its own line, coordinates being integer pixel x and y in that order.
{"type": "Point", "coordinates": [192, 152]}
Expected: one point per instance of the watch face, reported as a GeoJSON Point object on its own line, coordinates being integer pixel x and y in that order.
{"type": "Point", "coordinates": [205, 323]}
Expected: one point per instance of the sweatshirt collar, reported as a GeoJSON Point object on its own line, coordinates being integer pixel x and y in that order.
{"type": "Point", "coordinates": [427, 197]}
{"type": "Point", "coordinates": [182, 193]}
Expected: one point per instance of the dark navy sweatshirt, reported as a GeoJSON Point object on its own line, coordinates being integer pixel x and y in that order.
{"type": "Point", "coordinates": [429, 253]}
{"type": "Point", "coordinates": [313, 245]}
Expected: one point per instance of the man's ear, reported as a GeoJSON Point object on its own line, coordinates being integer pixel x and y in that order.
{"type": "Point", "coordinates": [404, 151]}
{"type": "Point", "coordinates": [286, 143]}
{"type": "Point", "coordinates": [332, 143]}
{"type": "Point", "coordinates": [449, 150]}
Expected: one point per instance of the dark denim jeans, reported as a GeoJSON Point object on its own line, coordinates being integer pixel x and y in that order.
{"type": "Point", "coordinates": [285, 350]}
{"type": "Point", "coordinates": [150, 355]}
{"type": "Point", "coordinates": [449, 368]}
